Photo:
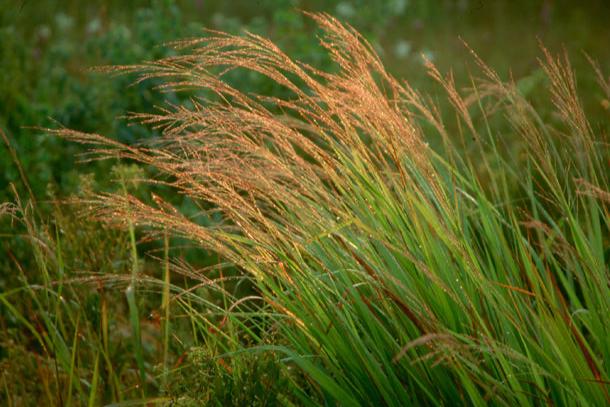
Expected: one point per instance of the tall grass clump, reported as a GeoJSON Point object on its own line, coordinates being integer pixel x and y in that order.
{"type": "Point", "coordinates": [92, 321]}
{"type": "Point", "coordinates": [410, 254]}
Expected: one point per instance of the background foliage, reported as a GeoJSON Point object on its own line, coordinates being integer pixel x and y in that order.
{"type": "Point", "coordinates": [48, 48]}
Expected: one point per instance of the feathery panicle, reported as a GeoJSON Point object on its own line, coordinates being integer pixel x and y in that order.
{"type": "Point", "coordinates": [387, 258]}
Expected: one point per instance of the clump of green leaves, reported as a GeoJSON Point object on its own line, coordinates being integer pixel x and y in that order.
{"type": "Point", "coordinates": [251, 378]}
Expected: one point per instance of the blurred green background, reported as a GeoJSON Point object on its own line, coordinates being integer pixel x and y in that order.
{"type": "Point", "coordinates": [47, 48]}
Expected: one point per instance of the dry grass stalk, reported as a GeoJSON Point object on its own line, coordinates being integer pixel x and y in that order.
{"type": "Point", "coordinates": [256, 165]}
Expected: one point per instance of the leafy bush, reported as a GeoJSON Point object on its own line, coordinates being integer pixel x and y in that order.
{"type": "Point", "coordinates": [45, 82]}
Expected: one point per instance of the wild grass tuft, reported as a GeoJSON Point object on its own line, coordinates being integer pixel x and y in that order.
{"type": "Point", "coordinates": [400, 253]}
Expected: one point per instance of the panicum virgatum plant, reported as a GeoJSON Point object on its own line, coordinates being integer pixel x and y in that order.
{"type": "Point", "coordinates": [406, 253]}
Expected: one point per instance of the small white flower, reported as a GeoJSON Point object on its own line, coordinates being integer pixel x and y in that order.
{"type": "Point", "coordinates": [397, 7]}
{"type": "Point", "coordinates": [94, 26]}
{"type": "Point", "coordinates": [44, 32]}
{"type": "Point", "coordinates": [63, 21]}
{"type": "Point", "coordinates": [345, 9]}
{"type": "Point", "coordinates": [402, 49]}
